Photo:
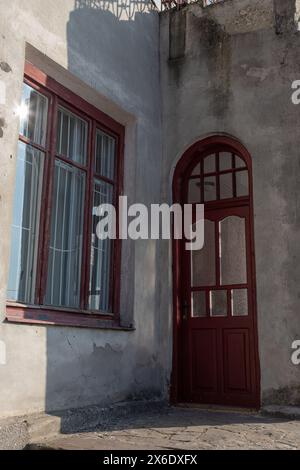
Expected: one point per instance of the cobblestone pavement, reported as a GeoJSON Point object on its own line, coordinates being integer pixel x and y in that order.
{"type": "Point", "coordinates": [186, 428]}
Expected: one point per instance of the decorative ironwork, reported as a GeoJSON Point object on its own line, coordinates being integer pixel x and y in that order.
{"type": "Point", "coordinates": [170, 4]}
{"type": "Point", "coordinates": [126, 9]}
{"type": "Point", "coordinates": [122, 9]}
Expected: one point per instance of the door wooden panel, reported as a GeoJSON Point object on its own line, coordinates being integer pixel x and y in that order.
{"type": "Point", "coordinates": [204, 361]}
{"type": "Point", "coordinates": [236, 361]}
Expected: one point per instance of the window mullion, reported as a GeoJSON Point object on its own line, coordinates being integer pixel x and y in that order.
{"type": "Point", "coordinates": [85, 278]}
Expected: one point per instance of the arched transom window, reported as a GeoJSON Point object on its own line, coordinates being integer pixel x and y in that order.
{"type": "Point", "coordinates": [218, 176]}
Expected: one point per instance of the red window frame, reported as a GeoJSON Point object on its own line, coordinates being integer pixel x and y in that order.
{"type": "Point", "coordinates": [58, 95]}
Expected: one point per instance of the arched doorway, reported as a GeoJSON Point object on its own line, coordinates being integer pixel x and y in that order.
{"type": "Point", "coordinates": [215, 358]}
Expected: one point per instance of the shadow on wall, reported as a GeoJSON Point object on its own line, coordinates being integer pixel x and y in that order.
{"type": "Point", "coordinates": [109, 43]}
{"type": "Point", "coordinates": [111, 37]}
{"type": "Point", "coordinates": [121, 9]}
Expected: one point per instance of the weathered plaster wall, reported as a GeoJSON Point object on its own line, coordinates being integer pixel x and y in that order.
{"type": "Point", "coordinates": [230, 71]}
{"type": "Point", "coordinates": [229, 68]}
{"type": "Point", "coordinates": [110, 56]}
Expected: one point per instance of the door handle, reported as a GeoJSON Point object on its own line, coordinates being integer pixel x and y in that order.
{"type": "Point", "coordinates": [185, 310]}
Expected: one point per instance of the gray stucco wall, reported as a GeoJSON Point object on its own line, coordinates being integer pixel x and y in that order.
{"type": "Point", "coordinates": [229, 68]}
{"type": "Point", "coordinates": [109, 55]}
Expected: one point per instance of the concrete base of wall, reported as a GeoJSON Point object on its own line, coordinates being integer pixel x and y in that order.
{"type": "Point", "coordinates": [26, 431]}
{"type": "Point", "coordinates": [288, 412]}
{"type": "Point", "coordinates": [18, 433]}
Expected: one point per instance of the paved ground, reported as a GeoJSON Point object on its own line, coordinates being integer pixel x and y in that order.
{"type": "Point", "coordinates": [186, 428]}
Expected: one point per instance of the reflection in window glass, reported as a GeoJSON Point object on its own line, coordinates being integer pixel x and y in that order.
{"type": "Point", "coordinates": [239, 163]}
{"type": "Point", "coordinates": [71, 136]}
{"type": "Point", "coordinates": [226, 187]}
{"type": "Point", "coordinates": [105, 155]}
{"type": "Point", "coordinates": [194, 190]}
{"type": "Point", "coordinates": [210, 188]}
{"type": "Point", "coordinates": [100, 261]}
{"type": "Point", "coordinates": [197, 170]}
{"type": "Point", "coordinates": [242, 183]}
{"type": "Point", "coordinates": [25, 227]}
{"type": "Point", "coordinates": [218, 303]}
{"type": "Point", "coordinates": [225, 161]}
{"type": "Point", "coordinates": [198, 304]}
{"type": "Point", "coordinates": [33, 115]}
{"type": "Point", "coordinates": [239, 302]}
{"type": "Point", "coordinates": [232, 251]}
{"type": "Point", "coordinates": [203, 261]}
{"type": "Point", "coordinates": [210, 164]}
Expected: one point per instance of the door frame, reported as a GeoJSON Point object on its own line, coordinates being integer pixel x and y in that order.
{"type": "Point", "coordinates": [183, 164]}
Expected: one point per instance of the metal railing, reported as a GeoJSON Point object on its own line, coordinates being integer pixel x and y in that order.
{"type": "Point", "coordinates": [128, 8]}
{"type": "Point", "coordinates": [169, 4]}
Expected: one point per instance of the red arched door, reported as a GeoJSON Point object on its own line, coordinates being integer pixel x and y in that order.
{"type": "Point", "coordinates": [216, 336]}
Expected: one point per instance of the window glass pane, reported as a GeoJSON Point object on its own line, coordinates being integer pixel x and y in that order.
{"type": "Point", "coordinates": [242, 183]}
{"type": "Point", "coordinates": [194, 190]}
{"type": "Point", "coordinates": [197, 169]}
{"type": "Point", "coordinates": [210, 188]}
{"type": "Point", "coordinates": [198, 304]}
{"type": "Point", "coordinates": [226, 190]}
{"type": "Point", "coordinates": [239, 163]}
{"type": "Point", "coordinates": [64, 263]}
{"type": "Point", "coordinates": [203, 261]}
{"type": "Point", "coordinates": [210, 164]}
{"type": "Point", "coordinates": [25, 227]}
{"type": "Point", "coordinates": [218, 303]}
{"type": "Point", "coordinates": [232, 251]}
{"type": "Point", "coordinates": [100, 262]}
{"type": "Point", "coordinates": [33, 115]}
{"type": "Point", "coordinates": [105, 155]}
{"type": "Point", "coordinates": [225, 161]}
{"type": "Point", "coordinates": [239, 302]}
{"type": "Point", "coordinates": [71, 136]}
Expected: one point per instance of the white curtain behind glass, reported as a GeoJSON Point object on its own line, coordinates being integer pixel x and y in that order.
{"type": "Point", "coordinates": [65, 254]}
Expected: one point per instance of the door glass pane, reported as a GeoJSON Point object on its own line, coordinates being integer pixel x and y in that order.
{"type": "Point", "coordinates": [218, 303]}
{"type": "Point", "coordinates": [65, 256]}
{"type": "Point", "coordinates": [210, 188]}
{"type": "Point", "coordinates": [226, 190]}
{"type": "Point", "coordinates": [33, 115]}
{"type": "Point", "coordinates": [105, 155]}
{"type": "Point", "coordinates": [197, 169]}
{"type": "Point", "coordinates": [239, 302]}
{"type": "Point", "coordinates": [198, 304]}
{"type": "Point", "coordinates": [71, 136]}
{"type": "Point", "coordinates": [194, 190]}
{"type": "Point", "coordinates": [242, 183]}
{"type": "Point", "coordinates": [203, 264]}
{"type": "Point", "coordinates": [239, 163]}
{"type": "Point", "coordinates": [232, 251]}
{"type": "Point", "coordinates": [25, 227]}
{"type": "Point", "coordinates": [225, 160]}
{"type": "Point", "coordinates": [210, 164]}
{"type": "Point", "coordinates": [101, 252]}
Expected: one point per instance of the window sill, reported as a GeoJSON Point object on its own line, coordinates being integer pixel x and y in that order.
{"type": "Point", "coordinates": [17, 313]}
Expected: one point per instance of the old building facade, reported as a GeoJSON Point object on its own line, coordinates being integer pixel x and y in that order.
{"type": "Point", "coordinates": [191, 104]}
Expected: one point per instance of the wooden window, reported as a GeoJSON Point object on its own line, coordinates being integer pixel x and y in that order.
{"type": "Point", "coordinates": [218, 176]}
{"type": "Point", "coordinates": [69, 161]}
